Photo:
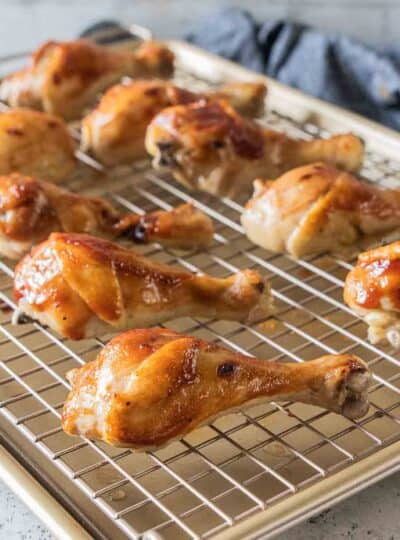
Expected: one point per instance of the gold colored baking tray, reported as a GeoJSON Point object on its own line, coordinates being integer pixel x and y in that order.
{"type": "Point", "coordinates": [246, 475]}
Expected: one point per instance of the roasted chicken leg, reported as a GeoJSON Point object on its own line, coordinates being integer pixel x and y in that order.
{"type": "Point", "coordinates": [30, 210]}
{"type": "Point", "coordinates": [372, 290]}
{"type": "Point", "coordinates": [209, 146]}
{"type": "Point", "coordinates": [35, 143]}
{"type": "Point", "coordinates": [114, 132]}
{"type": "Point", "coordinates": [149, 387]}
{"type": "Point", "coordinates": [183, 227]}
{"type": "Point", "coordinates": [82, 286]}
{"type": "Point", "coordinates": [65, 77]}
{"type": "Point", "coordinates": [318, 208]}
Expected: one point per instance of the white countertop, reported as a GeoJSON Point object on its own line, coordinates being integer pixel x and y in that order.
{"type": "Point", "coordinates": [369, 515]}
{"type": "Point", "coordinates": [16, 521]}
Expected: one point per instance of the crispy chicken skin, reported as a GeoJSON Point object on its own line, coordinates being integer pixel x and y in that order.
{"type": "Point", "coordinates": [31, 209]}
{"type": "Point", "coordinates": [317, 208]}
{"type": "Point", "coordinates": [372, 290]}
{"type": "Point", "coordinates": [149, 387]}
{"type": "Point", "coordinates": [64, 78]}
{"type": "Point", "coordinates": [114, 132]}
{"type": "Point", "coordinates": [35, 143]}
{"type": "Point", "coordinates": [209, 146]}
{"type": "Point", "coordinates": [82, 286]}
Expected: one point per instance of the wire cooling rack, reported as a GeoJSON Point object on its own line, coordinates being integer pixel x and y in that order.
{"type": "Point", "coordinates": [241, 464]}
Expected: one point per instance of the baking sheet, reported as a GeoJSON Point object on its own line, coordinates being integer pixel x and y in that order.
{"type": "Point", "coordinates": [246, 474]}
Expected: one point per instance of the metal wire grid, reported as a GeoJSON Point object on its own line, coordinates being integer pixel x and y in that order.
{"type": "Point", "coordinates": [239, 464]}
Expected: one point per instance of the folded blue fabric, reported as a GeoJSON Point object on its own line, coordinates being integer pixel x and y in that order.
{"type": "Point", "coordinates": [332, 67]}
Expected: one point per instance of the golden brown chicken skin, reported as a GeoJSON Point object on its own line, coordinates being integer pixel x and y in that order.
{"type": "Point", "coordinates": [149, 387]}
{"type": "Point", "coordinates": [81, 286]}
{"type": "Point", "coordinates": [114, 132]}
{"type": "Point", "coordinates": [209, 146]}
{"type": "Point", "coordinates": [35, 143]}
{"type": "Point", "coordinates": [372, 290]}
{"type": "Point", "coordinates": [31, 209]}
{"type": "Point", "coordinates": [64, 78]}
{"type": "Point", "coordinates": [317, 208]}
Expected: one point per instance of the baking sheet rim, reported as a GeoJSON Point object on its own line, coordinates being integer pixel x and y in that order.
{"type": "Point", "coordinates": [267, 523]}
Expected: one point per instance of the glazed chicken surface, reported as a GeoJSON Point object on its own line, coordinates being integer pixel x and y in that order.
{"type": "Point", "coordinates": [114, 132]}
{"type": "Point", "coordinates": [209, 146]}
{"type": "Point", "coordinates": [317, 208]}
{"type": "Point", "coordinates": [35, 143]}
{"type": "Point", "coordinates": [31, 209]}
{"type": "Point", "coordinates": [82, 286]}
{"type": "Point", "coordinates": [149, 387]}
{"type": "Point", "coordinates": [372, 290]}
{"type": "Point", "coordinates": [64, 78]}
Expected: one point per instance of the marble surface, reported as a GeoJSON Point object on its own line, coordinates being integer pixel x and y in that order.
{"type": "Point", "coordinates": [369, 515]}
{"type": "Point", "coordinates": [16, 520]}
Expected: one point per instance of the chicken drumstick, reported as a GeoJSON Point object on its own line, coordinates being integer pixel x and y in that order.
{"type": "Point", "coordinates": [372, 290]}
{"type": "Point", "coordinates": [82, 286]}
{"type": "Point", "coordinates": [149, 387]}
{"type": "Point", "coordinates": [209, 146]}
{"type": "Point", "coordinates": [318, 208]}
{"type": "Point", "coordinates": [65, 77]}
{"type": "Point", "coordinates": [36, 143]}
{"type": "Point", "coordinates": [31, 209]}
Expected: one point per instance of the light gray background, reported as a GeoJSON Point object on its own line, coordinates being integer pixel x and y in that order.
{"type": "Point", "coordinates": [373, 514]}
{"type": "Point", "coordinates": [24, 23]}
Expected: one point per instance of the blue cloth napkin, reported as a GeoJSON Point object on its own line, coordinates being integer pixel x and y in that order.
{"type": "Point", "coordinates": [332, 67]}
